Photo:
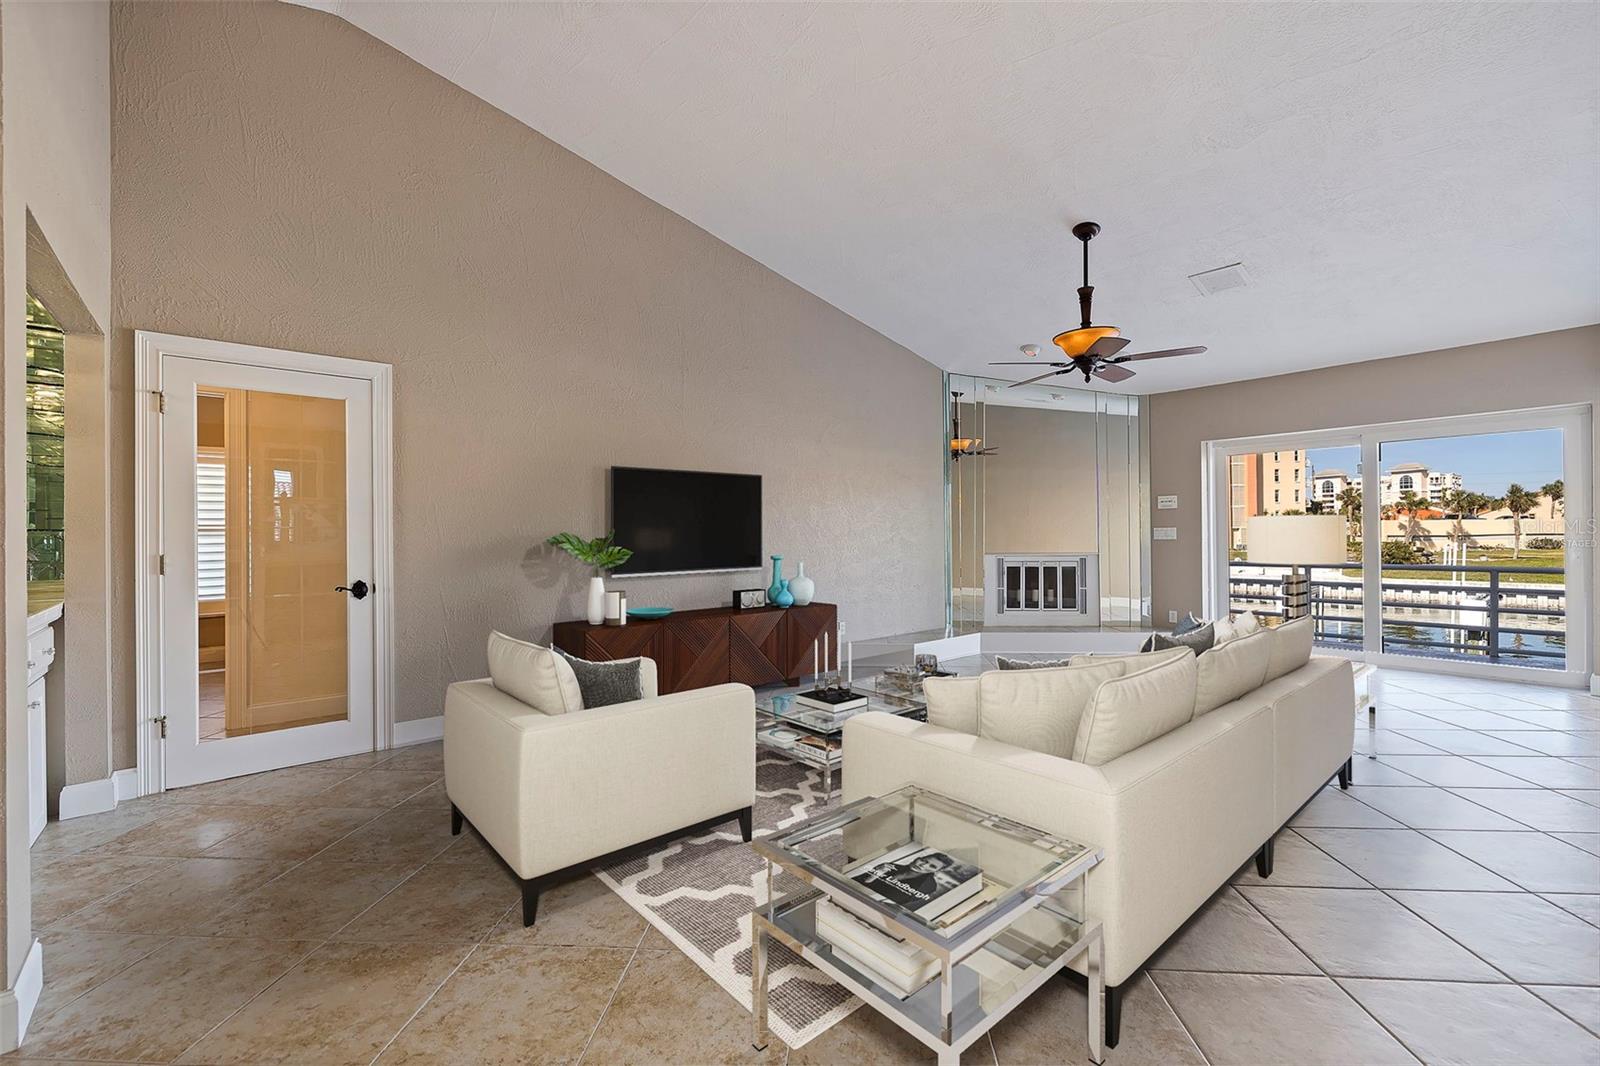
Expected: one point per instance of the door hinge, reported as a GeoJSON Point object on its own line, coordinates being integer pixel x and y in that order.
{"type": "Point", "coordinates": [161, 564]}
{"type": "Point", "coordinates": [161, 720]}
{"type": "Point", "coordinates": [161, 400]}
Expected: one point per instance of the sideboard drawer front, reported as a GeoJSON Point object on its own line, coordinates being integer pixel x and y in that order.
{"type": "Point", "coordinates": [41, 652]}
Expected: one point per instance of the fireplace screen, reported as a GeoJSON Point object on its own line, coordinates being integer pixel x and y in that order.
{"type": "Point", "coordinates": [1042, 585]}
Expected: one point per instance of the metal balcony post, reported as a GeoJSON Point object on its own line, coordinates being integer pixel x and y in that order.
{"type": "Point", "coordinates": [1494, 614]}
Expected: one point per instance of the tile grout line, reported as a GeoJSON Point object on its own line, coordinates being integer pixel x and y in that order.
{"type": "Point", "coordinates": [1194, 1043]}
{"type": "Point", "coordinates": [1329, 977]}
{"type": "Point", "coordinates": [644, 935]}
{"type": "Point", "coordinates": [473, 950]}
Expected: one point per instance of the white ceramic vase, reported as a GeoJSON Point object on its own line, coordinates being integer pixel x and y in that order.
{"type": "Point", "coordinates": [597, 600]}
{"type": "Point", "coordinates": [802, 588]}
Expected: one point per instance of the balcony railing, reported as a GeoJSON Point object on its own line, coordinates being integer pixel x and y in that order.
{"type": "Point", "coordinates": [1459, 616]}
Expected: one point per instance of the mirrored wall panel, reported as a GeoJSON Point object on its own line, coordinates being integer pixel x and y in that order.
{"type": "Point", "coordinates": [1048, 506]}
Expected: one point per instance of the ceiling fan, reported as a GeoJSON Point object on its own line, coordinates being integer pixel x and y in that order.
{"type": "Point", "coordinates": [960, 445]}
{"type": "Point", "coordinates": [1092, 350]}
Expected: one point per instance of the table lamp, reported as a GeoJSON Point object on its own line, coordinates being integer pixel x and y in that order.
{"type": "Point", "coordinates": [1298, 542]}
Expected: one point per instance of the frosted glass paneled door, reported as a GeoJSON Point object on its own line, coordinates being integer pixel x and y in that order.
{"type": "Point", "coordinates": [267, 598]}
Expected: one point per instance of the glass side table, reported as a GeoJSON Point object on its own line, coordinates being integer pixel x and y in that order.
{"type": "Point", "coordinates": [1027, 925]}
{"type": "Point", "coordinates": [815, 737]}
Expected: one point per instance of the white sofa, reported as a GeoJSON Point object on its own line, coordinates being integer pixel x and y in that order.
{"type": "Point", "coordinates": [552, 793]}
{"type": "Point", "coordinates": [1176, 816]}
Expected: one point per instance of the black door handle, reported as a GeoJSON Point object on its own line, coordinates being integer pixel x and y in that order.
{"type": "Point", "coordinates": [359, 590]}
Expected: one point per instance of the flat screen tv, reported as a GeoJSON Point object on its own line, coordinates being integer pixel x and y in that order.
{"type": "Point", "coordinates": [682, 521]}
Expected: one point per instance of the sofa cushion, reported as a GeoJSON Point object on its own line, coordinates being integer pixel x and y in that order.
{"type": "Point", "coordinates": [1291, 647]}
{"type": "Point", "coordinates": [952, 703]}
{"type": "Point", "coordinates": [1039, 709]}
{"type": "Point", "coordinates": [1030, 664]}
{"type": "Point", "coordinates": [533, 674]}
{"type": "Point", "coordinates": [605, 683]}
{"type": "Point", "coordinates": [1129, 711]}
{"type": "Point", "coordinates": [1227, 672]}
{"type": "Point", "coordinates": [1137, 660]}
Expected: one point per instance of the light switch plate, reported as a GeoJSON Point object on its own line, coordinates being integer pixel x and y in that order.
{"type": "Point", "coordinates": [1172, 616]}
{"type": "Point", "coordinates": [1166, 533]}
{"type": "Point", "coordinates": [1166, 503]}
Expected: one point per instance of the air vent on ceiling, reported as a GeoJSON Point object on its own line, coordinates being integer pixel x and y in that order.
{"type": "Point", "coordinates": [1211, 282]}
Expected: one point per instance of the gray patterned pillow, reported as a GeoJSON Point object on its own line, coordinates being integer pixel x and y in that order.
{"type": "Point", "coordinates": [1199, 639]}
{"type": "Point", "coordinates": [603, 684]}
{"type": "Point", "coordinates": [1028, 664]}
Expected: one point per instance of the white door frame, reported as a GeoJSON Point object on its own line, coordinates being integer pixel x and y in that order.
{"type": "Point", "coordinates": [1575, 422]}
{"type": "Point", "coordinates": [149, 348]}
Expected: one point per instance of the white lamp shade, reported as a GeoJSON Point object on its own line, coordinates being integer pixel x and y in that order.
{"type": "Point", "coordinates": [1295, 539]}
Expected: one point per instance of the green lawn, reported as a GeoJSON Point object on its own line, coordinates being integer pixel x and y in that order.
{"type": "Point", "coordinates": [1497, 556]}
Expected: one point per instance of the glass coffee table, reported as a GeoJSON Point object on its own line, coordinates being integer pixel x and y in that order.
{"type": "Point", "coordinates": [977, 962]}
{"type": "Point", "coordinates": [815, 737]}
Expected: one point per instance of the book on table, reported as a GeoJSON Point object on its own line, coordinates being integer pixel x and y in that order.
{"type": "Point", "coordinates": [836, 700]}
{"type": "Point", "coordinates": [923, 880]}
{"type": "Point", "coordinates": [896, 965]}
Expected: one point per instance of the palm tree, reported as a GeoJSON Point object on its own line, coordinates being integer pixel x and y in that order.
{"type": "Point", "coordinates": [1350, 506]}
{"type": "Point", "coordinates": [1457, 502]}
{"type": "Point", "coordinates": [1555, 492]}
{"type": "Point", "coordinates": [1520, 502]}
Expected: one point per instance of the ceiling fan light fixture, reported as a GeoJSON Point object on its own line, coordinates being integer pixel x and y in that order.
{"type": "Point", "coordinates": [1076, 342]}
{"type": "Point", "coordinates": [965, 444]}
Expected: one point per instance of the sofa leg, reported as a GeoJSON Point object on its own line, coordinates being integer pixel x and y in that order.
{"type": "Point", "coordinates": [1264, 860]}
{"type": "Point", "coordinates": [1344, 774]}
{"type": "Point", "coordinates": [1113, 1014]}
{"type": "Point", "coordinates": [747, 819]}
{"type": "Point", "coordinates": [530, 900]}
{"type": "Point", "coordinates": [455, 820]}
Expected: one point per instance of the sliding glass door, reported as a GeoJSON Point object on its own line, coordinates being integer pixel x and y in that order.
{"type": "Point", "coordinates": [1475, 546]}
{"type": "Point", "coordinates": [1468, 541]}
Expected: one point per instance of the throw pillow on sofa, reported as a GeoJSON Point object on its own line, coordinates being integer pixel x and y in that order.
{"type": "Point", "coordinates": [1130, 711]}
{"type": "Point", "coordinates": [1030, 664]}
{"type": "Point", "coordinates": [1039, 709]}
{"type": "Point", "coordinates": [1199, 640]}
{"type": "Point", "coordinates": [952, 703]}
{"type": "Point", "coordinates": [605, 683]}
{"type": "Point", "coordinates": [1225, 673]}
{"type": "Point", "coordinates": [533, 674]}
{"type": "Point", "coordinates": [1291, 647]}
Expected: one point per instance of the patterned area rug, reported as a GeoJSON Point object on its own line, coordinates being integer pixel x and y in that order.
{"type": "Point", "coordinates": [699, 891]}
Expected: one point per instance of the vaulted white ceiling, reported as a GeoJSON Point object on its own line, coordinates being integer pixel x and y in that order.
{"type": "Point", "coordinates": [1395, 178]}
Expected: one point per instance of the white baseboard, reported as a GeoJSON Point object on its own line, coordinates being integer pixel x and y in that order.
{"type": "Point", "coordinates": [419, 731]}
{"type": "Point", "coordinates": [87, 797]}
{"type": "Point", "coordinates": [17, 1002]}
{"type": "Point", "coordinates": [1594, 684]}
{"type": "Point", "coordinates": [126, 784]}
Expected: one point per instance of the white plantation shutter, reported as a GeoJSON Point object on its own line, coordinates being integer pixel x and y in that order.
{"type": "Point", "coordinates": [211, 527]}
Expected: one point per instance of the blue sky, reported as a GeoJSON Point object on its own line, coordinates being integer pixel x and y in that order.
{"type": "Point", "coordinates": [1487, 462]}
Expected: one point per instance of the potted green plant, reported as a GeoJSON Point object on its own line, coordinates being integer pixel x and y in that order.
{"type": "Point", "coordinates": [603, 554]}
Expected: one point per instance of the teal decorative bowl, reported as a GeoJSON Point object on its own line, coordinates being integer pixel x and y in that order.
{"type": "Point", "coordinates": [649, 612]}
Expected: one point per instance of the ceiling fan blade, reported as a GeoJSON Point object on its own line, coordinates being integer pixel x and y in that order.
{"type": "Point", "coordinates": [1164, 354]}
{"type": "Point", "coordinates": [1041, 377]}
{"type": "Point", "coordinates": [1034, 362]}
{"type": "Point", "coordinates": [1113, 373]}
{"type": "Point", "coordinates": [1106, 347]}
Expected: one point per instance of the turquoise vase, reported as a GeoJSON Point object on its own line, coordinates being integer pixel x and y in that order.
{"type": "Point", "coordinates": [776, 589]}
{"type": "Point", "coordinates": [784, 598]}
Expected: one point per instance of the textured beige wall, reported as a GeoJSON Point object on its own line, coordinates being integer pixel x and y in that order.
{"type": "Point", "coordinates": [280, 178]}
{"type": "Point", "coordinates": [54, 112]}
{"type": "Point", "coordinates": [1542, 370]}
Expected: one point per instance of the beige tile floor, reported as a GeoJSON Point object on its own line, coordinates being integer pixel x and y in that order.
{"type": "Point", "coordinates": [1446, 908]}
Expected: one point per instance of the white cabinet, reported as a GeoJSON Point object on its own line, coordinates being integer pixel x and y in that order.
{"type": "Point", "coordinates": [41, 654]}
{"type": "Point", "coordinates": [38, 811]}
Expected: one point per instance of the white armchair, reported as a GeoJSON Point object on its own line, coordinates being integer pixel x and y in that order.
{"type": "Point", "coordinates": [554, 793]}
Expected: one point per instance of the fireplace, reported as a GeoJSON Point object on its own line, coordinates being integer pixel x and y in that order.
{"type": "Point", "coordinates": [1041, 590]}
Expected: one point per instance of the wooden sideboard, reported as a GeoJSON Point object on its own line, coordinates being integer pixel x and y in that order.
{"type": "Point", "coordinates": [693, 649]}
